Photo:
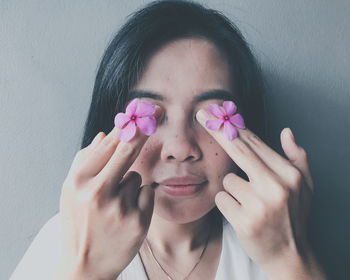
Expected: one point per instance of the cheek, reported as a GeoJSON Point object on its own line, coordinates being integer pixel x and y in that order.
{"type": "Point", "coordinates": [145, 162]}
{"type": "Point", "coordinates": [218, 162]}
{"type": "Point", "coordinates": [215, 158]}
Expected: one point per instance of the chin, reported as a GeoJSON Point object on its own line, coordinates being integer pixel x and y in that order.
{"type": "Point", "coordinates": [180, 213]}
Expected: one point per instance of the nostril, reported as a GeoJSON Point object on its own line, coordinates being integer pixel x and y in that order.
{"type": "Point", "coordinates": [189, 158]}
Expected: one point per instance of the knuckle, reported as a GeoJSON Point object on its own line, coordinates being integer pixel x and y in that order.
{"type": "Point", "coordinates": [112, 212]}
{"type": "Point", "coordinates": [279, 193]}
{"type": "Point", "coordinates": [281, 199]}
{"type": "Point", "coordinates": [241, 147]}
{"type": "Point", "coordinates": [295, 177]}
{"type": "Point", "coordinates": [78, 156]}
{"type": "Point", "coordinates": [85, 197]}
{"type": "Point", "coordinates": [251, 228]}
{"type": "Point", "coordinates": [76, 180]}
{"type": "Point", "coordinates": [90, 194]}
{"type": "Point", "coordinates": [254, 139]}
{"type": "Point", "coordinates": [125, 150]}
{"type": "Point", "coordinates": [274, 184]}
{"type": "Point", "coordinates": [76, 176]}
{"type": "Point", "coordinates": [93, 200]}
{"type": "Point", "coordinates": [109, 141]}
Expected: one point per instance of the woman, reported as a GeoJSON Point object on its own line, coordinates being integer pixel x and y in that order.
{"type": "Point", "coordinates": [208, 207]}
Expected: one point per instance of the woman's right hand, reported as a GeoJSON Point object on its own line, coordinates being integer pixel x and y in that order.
{"type": "Point", "coordinates": [105, 215]}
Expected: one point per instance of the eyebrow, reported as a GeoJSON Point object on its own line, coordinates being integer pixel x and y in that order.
{"type": "Point", "coordinates": [207, 95]}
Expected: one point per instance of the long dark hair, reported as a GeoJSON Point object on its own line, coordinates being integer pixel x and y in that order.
{"type": "Point", "coordinates": [145, 31]}
{"type": "Point", "coordinates": [148, 29]}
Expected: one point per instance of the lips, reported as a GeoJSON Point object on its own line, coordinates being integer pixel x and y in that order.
{"type": "Point", "coordinates": [183, 181]}
{"type": "Point", "coordinates": [181, 186]}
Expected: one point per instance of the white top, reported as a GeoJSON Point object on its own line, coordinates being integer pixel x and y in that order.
{"type": "Point", "coordinates": [43, 254]}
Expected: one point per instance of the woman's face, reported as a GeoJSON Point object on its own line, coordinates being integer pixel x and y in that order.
{"type": "Point", "coordinates": [181, 152]}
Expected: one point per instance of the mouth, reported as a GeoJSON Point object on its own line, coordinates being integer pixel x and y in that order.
{"type": "Point", "coordinates": [182, 186]}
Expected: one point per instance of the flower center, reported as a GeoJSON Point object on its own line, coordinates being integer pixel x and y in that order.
{"type": "Point", "coordinates": [133, 117]}
{"type": "Point", "coordinates": [226, 118]}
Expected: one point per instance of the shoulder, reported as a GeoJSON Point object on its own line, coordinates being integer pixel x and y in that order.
{"type": "Point", "coordinates": [43, 252]}
{"type": "Point", "coordinates": [50, 232]}
{"type": "Point", "coordinates": [52, 224]}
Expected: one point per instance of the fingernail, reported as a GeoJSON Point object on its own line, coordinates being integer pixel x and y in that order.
{"type": "Point", "coordinates": [158, 112]}
{"type": "Point", "coordinates": [202, 115]}
{"type": "Point", "coordinates": [291, 134]}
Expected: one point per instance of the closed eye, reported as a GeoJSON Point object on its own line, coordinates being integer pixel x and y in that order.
{"type": "Point", "coordinates": [164, 118]}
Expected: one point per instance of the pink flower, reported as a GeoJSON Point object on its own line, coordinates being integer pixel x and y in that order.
{"type": "Point", "coordinates": [137, 114]}
{"type": "Point", "coordinates": [225, 115]}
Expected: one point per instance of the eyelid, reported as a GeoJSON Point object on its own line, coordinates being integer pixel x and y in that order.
{"type": "Point", "coordinates": [164, 117]}
{"type": "Point", "coordinates": [194, 119]}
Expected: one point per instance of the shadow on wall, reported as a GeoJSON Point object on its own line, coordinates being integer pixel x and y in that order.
{"type": "Point", "coordinates": [321, 126]}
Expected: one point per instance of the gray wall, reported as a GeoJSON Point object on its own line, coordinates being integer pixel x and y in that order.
{"type": "Point", "coordinates": [49, 55]}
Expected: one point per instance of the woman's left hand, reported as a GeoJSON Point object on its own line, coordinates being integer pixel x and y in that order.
{"type": "Point", "coordinates": [270, 211]}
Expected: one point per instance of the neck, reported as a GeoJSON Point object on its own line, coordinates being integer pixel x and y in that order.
{"type": "Point", "coordinates": [176, 239]}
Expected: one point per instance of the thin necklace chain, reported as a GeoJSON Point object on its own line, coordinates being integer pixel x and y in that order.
{"type": "Point", "coordinates": [168, 276]}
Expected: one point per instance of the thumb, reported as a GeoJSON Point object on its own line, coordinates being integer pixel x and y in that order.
{"type": "Point", "coordinates": [146, 199]}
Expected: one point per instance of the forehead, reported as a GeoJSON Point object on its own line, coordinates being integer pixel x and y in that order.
{"type": "Point", "coordinates": [185, 68]}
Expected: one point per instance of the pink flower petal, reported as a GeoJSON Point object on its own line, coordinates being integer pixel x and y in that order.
{"type": "Point", "coordinates": [230, 131]}
{"type": "Point", "coordinates": [215, 110]}
{"type": "Point", "coordinates": [238, 121]}
{"type": "Point", "coordinates": [121, 120]}
{"type": "Point", "coordinates": [230, 107]}
{"type": "Point", "coordinates": [131, 108]}
{"type": "Point", "coordinates": [147, 125]}
{"type": "Point", "coordinates": [214, 124]}
{"type": "Point", "coordinates": [145, 109]}
{"type": "Point", "coordinates": [128, 132]}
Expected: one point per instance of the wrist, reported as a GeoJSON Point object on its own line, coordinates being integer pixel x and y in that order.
{"type": "Point", "coordinates": [82, 273]}
{"type": "Point", "coordinates": [295, 266]}
{"type": "Point", "coordinates": [78, 270]}
{"type": "Point", "coordinates": [79, 274]}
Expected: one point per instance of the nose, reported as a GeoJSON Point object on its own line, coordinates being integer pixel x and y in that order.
{"type": "Point", "coordinates": [180, 145]}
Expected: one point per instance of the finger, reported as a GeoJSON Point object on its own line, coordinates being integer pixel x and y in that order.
{"type": "Point", "coordinates": [122, 158]}
{"type": "Point", "coordinates": [296, 154]}
{"type": "Point", "coordinates": [81, 157]}
{"type": "Point", "coordinates": [239, 151]}
{"type": "Point", "coordinates": [146, 200]}
{"type": "Point", "coordinates": [129, 190]}
{"type": "Point", "coordinates": [99, 136]}
{"type": "Point", "coordinates": [103, 151]}
{"type": "Point", "coordinates": [100, 154]}
{"type": "Point", "coordinates": [229, 207]}
{"type": "Point", "coordinates": [238, 188]}
{"type": "Point", "coordinates": [277, 163]}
